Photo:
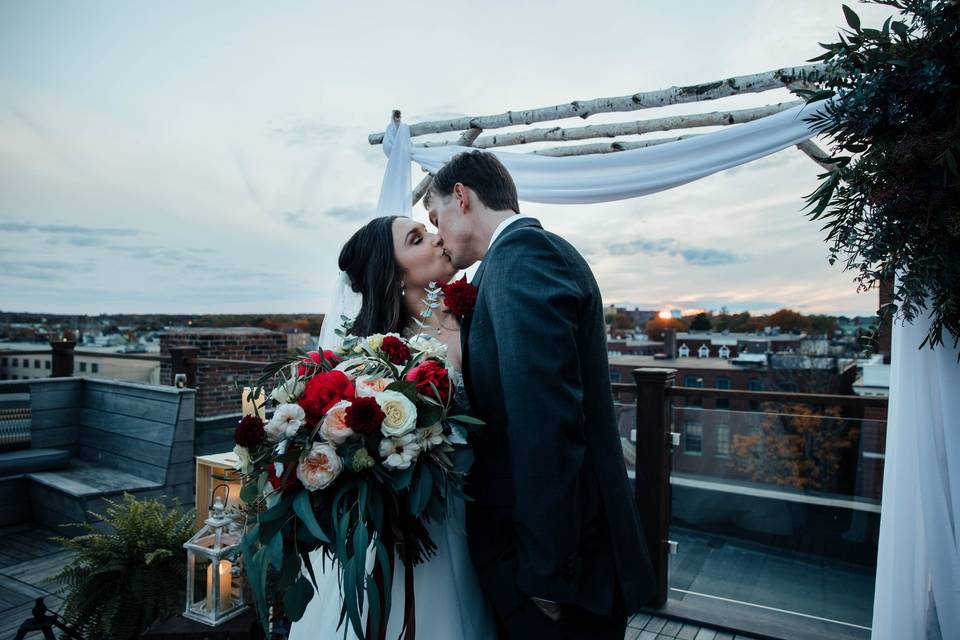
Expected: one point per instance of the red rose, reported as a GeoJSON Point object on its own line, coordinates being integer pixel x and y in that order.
{"type": "Point", "coordinates": [364, 416]}
{"type": "Point", "coordinates": [249, 432]}
{"type": "Point", "coordinates": [315, 360]}
{"type": "Point", "coordinates": [396, 351]}
{"type": "Point", "coordinates": [293, 482]}
{"type": "Point", "coordinates": [324, 390]}
{"type": "Point", "coordinates": [431, 371]}
{"type": "Point", "coordinates": [460, 296]}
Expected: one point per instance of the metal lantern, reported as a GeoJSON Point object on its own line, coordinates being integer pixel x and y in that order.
{"type": "Point", "coordinates": [214, 589]}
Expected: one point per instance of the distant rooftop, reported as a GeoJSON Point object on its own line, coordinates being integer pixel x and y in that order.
{"type": "Point", "coordinates": [679, 363]}
{"type": "Point", "coordinates": [745, 337]}
{"type": "Point", "coordinates": [219, 330]}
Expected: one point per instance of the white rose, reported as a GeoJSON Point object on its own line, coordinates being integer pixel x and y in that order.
{"type": "Point", "coordinates": [401, 414]}
{"type": "Point", "coordinates": [334, 427]}
{"type": "Point", "coordinates": [288, 391]}
{"type": "Point", "coordinates": [320, 468]}
{"type": "Point", "coordinates": [244, 463]}
{"type": "Point", "coordinates": [430, 347]}
{"type": "Point", "coordinates": [370, 386]}
{"type": "Point", "coordinates": [374, 341]}
{"type": "Point", "coordinates": [430, 437]}
{"type": "Point", "coordinates": [399, 453]}
{"type": "Point", "coordinates": [286, 421]}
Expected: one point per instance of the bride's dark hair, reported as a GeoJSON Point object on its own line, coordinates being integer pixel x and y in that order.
{"type": "Point", "coordinates": [369, 261]}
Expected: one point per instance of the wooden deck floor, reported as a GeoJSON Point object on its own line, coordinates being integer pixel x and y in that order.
{"type": "Point", "coordinates": [28, 561]}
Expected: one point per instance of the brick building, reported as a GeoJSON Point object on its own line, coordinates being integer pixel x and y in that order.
{"type": "Point", "coordinates": [219, 385]}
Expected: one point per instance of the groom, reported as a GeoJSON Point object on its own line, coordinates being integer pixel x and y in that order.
{"type": "Point", "coordinates": [552, 528]}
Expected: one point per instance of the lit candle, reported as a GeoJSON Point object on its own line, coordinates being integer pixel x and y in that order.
{"type": "Point", "coordinates": [225, 585]}
{"type": "Point", "coordinates": [253, 406]}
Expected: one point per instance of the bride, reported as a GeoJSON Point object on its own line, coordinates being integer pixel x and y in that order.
{"type": "Point", "coordinates": [389, 262]}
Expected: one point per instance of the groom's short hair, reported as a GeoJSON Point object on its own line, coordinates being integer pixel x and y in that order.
{"type": "Point", "coordinates": [483, 173]}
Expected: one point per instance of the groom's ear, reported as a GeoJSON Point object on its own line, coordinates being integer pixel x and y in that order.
{"type": "Point", "coordinates": [463, 196]}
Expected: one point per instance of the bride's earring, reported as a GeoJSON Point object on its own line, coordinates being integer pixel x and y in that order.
{"type": "Point", "coordinates": [403, 288]}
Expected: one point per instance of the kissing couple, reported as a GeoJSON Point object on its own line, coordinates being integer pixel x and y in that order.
{"type": "Point", "coordinates": [548, 544]}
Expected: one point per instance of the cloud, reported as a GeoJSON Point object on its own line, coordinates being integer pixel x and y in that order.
{"type": "Point", "coordinates": [698, 256]}
{"type": "Point", "coordinates": [67, 229]}
{"type": "Point", "coordinates": [36, 270]}
{"type": "Point", "coordinates": [351, 212]}
{"type": "Point", "coordinates": [304, 133]}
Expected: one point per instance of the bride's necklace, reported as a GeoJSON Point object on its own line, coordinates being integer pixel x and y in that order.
{"type": "Point", "coordinates": [442, 327]}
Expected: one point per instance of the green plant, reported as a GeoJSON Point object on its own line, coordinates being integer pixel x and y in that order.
{"type": "Point", "coordinates": [891, 204]}
{"type": "Point", "coordinates": [122, 580]}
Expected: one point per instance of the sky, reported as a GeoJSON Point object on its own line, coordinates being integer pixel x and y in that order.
{"type": "Point", "coordinates": [212, 157]}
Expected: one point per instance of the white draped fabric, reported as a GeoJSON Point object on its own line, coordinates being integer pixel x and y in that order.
{"type": "Point", "coordinates": [918, 575]}
{"type": "Point", "coordinates": [604, 177]}
{"type": "Point", "coordinates": [918, 563]}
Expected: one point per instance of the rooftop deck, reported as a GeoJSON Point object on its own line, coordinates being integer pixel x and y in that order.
{"type": "Point", "coordinates": [778, 562]}
{"type": "Point", "coordinates": [29, 560]}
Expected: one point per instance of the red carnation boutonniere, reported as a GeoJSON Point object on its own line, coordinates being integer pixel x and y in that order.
{"type": "Point", "coordinates": [459, 296]}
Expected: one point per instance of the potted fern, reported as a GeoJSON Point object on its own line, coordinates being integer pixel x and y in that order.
{"type": "Point", "coordinates": [125, 578]}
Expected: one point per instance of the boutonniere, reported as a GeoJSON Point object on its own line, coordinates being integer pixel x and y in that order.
{"type": "Point", "coordinates": [460, 296]}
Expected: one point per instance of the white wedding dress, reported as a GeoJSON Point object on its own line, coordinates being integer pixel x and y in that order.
{"type": "Point", "coordinates": [449, 602]}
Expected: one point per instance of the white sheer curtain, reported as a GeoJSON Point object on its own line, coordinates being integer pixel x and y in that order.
{"type": "Point", "coordinates": [918, 564]}
{"type": "Point", "coordinates": [612, 176]}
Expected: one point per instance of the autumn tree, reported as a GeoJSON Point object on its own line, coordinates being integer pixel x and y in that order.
{"type": "Point", "coordinates": [795, 447]}
{"type": "Point", "coordinates": [655, 327]}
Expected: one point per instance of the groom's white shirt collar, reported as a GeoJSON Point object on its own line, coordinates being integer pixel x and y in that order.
{"type": "Point", "coordinates": [503, 225]}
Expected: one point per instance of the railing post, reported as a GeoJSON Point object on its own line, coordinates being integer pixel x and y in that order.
{"type": "Point", "coordinates": [653, 467]}
{"type": "Point", "coordinates": [61, 358]}
{"type": "Point", "coordinates": [183, 360]}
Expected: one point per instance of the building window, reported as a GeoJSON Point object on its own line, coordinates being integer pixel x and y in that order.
{"type": "Point", "coordinates": [703, 351]}
{"type": "Point", "coordinates": [723, 403]}
{"type": "Point", "coordinates": [83, 367]}
{"type": "Point", "coordinates": [754, 405]}
{"type": "Point", "coordinates": [722, 383]}
{"type": "Point", "coordinates": [94, 367]}
{"type": "Point", "coordinates": [14, 362]}
{"type": "Point", "coordinates": [3, 361]}
{"type": "Point", "coordinates": [725, 352]}
{"type": "Point", "coordinates": [755, 384]}
{"type": "Point", "coordinates": [36, 364]}
{"type": "Point", "coordinates": [693, 438]}
{"type": "Point", "coordinates": [723, 440]}
{"type": "Point", "coordinates": [46, 364]}
{"type": "Point", "coordinates": [14, 377]}
{"type": "Point", "coordinates": [684, 351]}
{"type": "Point", "coordinates": [693, 381]}
{"type": "Point", "coordinates": [614, 376]}
{"type": "Point", "coordinates": [789, 387]}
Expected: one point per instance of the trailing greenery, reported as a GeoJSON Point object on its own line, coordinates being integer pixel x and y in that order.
{"type": "Point", "coordinates": [891, 204]}
{"type": "Point", "coordinates": [123, 580]}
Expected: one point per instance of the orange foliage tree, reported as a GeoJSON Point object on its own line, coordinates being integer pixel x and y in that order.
{"type": "Point", "coordinates": [795, 447]}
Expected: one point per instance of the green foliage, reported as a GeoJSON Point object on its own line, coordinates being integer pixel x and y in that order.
{"type": "Point", "coordinates": [891, 204]}
{"type": "Point", "coordinates": [122, 580]}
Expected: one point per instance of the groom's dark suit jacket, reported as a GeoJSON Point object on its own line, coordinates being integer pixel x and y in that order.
{"type": "Point", "coordinates": [552, 514]}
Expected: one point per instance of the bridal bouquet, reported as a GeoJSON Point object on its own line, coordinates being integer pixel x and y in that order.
{"type": "Point", "coordinates": [356, 456]}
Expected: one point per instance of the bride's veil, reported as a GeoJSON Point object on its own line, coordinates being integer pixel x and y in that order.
{"type": "Point", "coordinates": [394, 200]}
{"type": "Point", "coordinates": [346, 303]}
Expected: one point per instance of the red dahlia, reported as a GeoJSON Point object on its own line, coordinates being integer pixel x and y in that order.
{"type": "Point", "coordinates": [431, 371]}
{"type": "Point", "coordinates": [396, 351]}
{"type": "Point", "coordinates": [249, 432]}
{"type": "Point", "coordinates": [324, 390]}
{"type": "Point", "coordinates": [364, 416]}
{"type": "Point", "coordinates": [459, 296]}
